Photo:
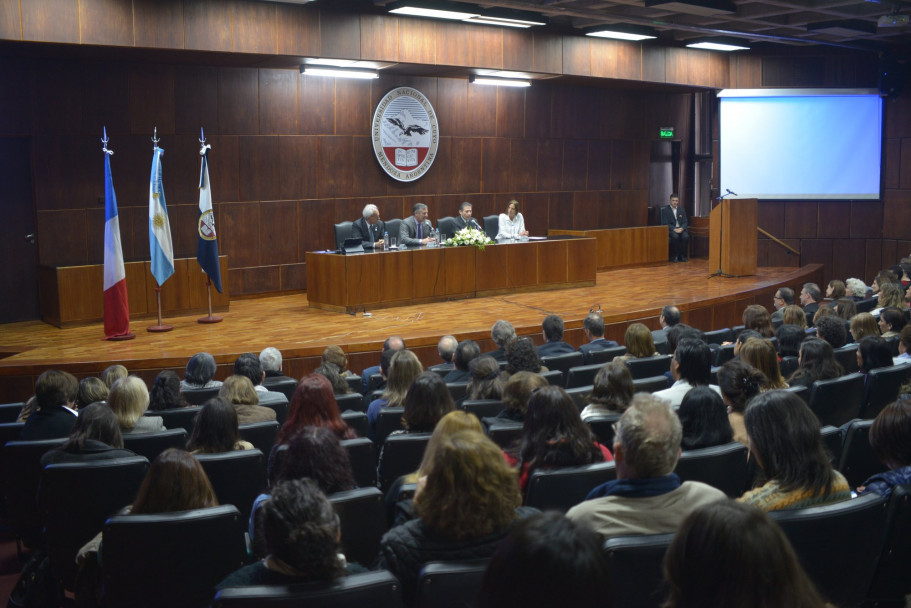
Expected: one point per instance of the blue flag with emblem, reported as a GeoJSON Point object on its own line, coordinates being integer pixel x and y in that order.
{"type": "Point", "coordinates": [207, 249]}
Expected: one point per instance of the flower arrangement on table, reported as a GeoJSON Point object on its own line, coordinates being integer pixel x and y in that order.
{"type": "Point", "coordinates": [469, 236]}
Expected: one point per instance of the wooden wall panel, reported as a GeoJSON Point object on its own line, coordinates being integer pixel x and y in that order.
{"type": "Point", "coordinates": [294, 277]}
{"type": "Point", "coordinates": [654, 60]}
{"type": "Point", "coordinates": [892, 163]}
{"type": "Point", "coordinates": [278, 230]}
{"type": "Point", "coordinates": [896, 214]}
{"type": "Point", "coordinates": [369, 177]}
{"type": "Point", "coordinates": [196, 100]}
{"type": "Point", "coordinates": [240, 235]}
{"type": "Point", "coordinates": [800, 220]}
{"type": "Point", "coordinates": [48, 116]}
{"type": "Point", "coordinates": [518, 50]}
{"type": "Point", "coordinates": [207, 25]}
{"type": "Point", "coordinates": [848, 259]}
{"type": "Point", "coordinates": [522, 163]}
{"type": "Point", "coordinates": [867, 219]}
{"type": "Point", "coordinates": [465, 165]}
{"type": "Point", "coordinates": [575, 165]}
{"type": "Point", "coordinates": [297, 30]}
{"type": "Point", "coordinates": [238, 100]}
{"type": "Point", "coordinates": [158, 24]}
{"type": "Point", "coordinates": [550, 164]}
{"type": "Point", "coordinates": [616, 59]}
{"type": "Point", "coordinates": [538, 111]}
{"type": "Point", "coordinates": [451, 43]}
{"type": "Point", "coordinates": [495, 160]}
{"type": "Point", "coordinates": [510, 121]}
{"type": "Point", "coordinates": [61, 237]}
{"type": "Point", "coordinates": [897, 117]}
{"type": "Point", "coordinates": [260, 280]}
{"type": "Point", "coordinates": [336, 167]}
{"type": "Point", "coordinates": [258, 169]}
{"type": "Point", "coordinates": [379, 36]}
{"type": "Point", "coordinates": [484, 49]}
{"type": "Point", "coordinates": [253, 27]}
{"type": "Point", "coordinates": [548, 53]}
{"type": "Point", "coordinates": [297, 175]}
{"type": "Point", "coordinates": [586, 208]}
{"type": "Point", "coordinates": [223, 163]}
{"type": "Point", "coordinates": [834, 220]}
{"type": "Point", "coordinates": [905, 180]}
{"type": "Point", "coordinates": [817, 251]}
{"type": "Point", "coordinates": [106, 22]}
{"type": "Point", "coordinates": [106, 100]}
{"type": "Point", "coordinates": [70, 160]}
{"type": "Point", "coordinates": [577, 55]}
{"type": "Point", "coordinates": [317, 106]}
{"type": "Point", "coordinates": [184, 235]}
{"type": "Point", "coordinates": [340, 35]}
{"type": "Point", "coordinates": [278, 101]}
{"type": "Point", "coordinates": [354, 97]}
{"type": "Point", "coordinates": [415, 40]}
{"type": "Point", "coordinates": [50, 20]}
{"type": "Point", "coordinates": [152, 99]}
{"type": "Point", "coordinates": [771, 218]}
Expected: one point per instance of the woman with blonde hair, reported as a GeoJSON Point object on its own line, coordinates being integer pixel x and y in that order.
{"type": "Point", "coordinates": [793, 314]}
{"type": "Point", "coordinates": [890, 294]}
{"type": "Point", "coordinates": [863, 324]}
{"type": "Point", "coordinates": [758, 319]}
{"type": "Point", "coordinates": [239, 392]}
{"type": "Point", "coordinates": [404, 367]}
{"type": "Point", "coordinates": [129, 400]}
{"type": "Point", "coordinates": [761, 355]}
{"type": "Point", "coordinates": [639, 343]}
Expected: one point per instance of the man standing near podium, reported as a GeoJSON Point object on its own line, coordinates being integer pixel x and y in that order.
{"type": "Point", "coordinates": [674, 217]}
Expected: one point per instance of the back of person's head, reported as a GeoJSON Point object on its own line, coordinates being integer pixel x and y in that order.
{"type": "Point", "coordinates": [893, 317]}
{"type": "Point", "coordinates": [817, 361]}
{"type": "Point", "coordinates": [239, 391]}
{"type": "Point", "coordinates": [891, 294]}
{"type": "Point", "coordinates": [129, 400]}
{"type": "Point", "coordinates": [745, 335]}
{"type": "Point", "coordinates": [446, 348]}
{"type": "Point", "coordinates": [502, 332]}
{"type": "Point", "coordinates": [787, 294]}
{"type": "Point", "coordinates": [485, 382]}
{"type": "Point", "coordinates": [315, 452]}
{"type": "Point", "coordinates": [394, 343]}
{"type": "Point", "coordinates": [200, 369]}
{"type": "Point", "coordinates": [784, 435]}
{"type": "Point", "coordinates": [704, 419]}
{"type": "Point", "coordinates": [313, 404]}
{"type": "Point", "coordinates": [470, 491]}
{"type": "Point", "coordinates": [518, 390]}
{"type": "Point", "coordinates": [330, 372]}
{"type": "Point", "coordinates": [874, 354]}
{"type": "Point", "coordinates": [112, 374]}
{"type": "Point", "coordinates": [165, 393]}
{"type": "Point", "coordinates": [215, 428]}
{"type": "Point", "coordinates": [813, 291]}
{"type": "Point", "coordinates": [758, 319]}
{"type": "Point", "coordinates": [55, 388]}
{"type": "Point", "coordinates": [824, 310]}
{"type": "Point", "coordinates": [760, 353]}
{"type": "Point", "coordinates": [845, 308]}
{"type": "Point", "coordinates": [336, 356]}
{"type": "Point", "coordinates": [547, 560]}
{"type": "Point", "coordinates": [790, 337]}
{"type": "Point", "coordinates": [553, 432]}
{"type": "Point", "coordinates": [832, 330]}
{"type": "Point", "coordinates": [594, 324]}
{"type": "Point", "coordinates": [739, 382]}
{"type": "Point", "coordinates": [426, 401]}
{"type": "Point", "coordinates": [271, 359]}
{"type": "Point", "coordinates": [451, 423]}
{"type": "Point", "coordinates": [648, 434]}
{"type": "Point", "coordinates": [694, 361]}
{"type": "Point", "coordinates": [638, 341]}
{"type": "Point", "coordinates": [301, 530]}
{"type": "Point", "coordinates": [175, 482]}
{"type": "Point", "coordinates": [760, 566]}
{"type": "Point", "coordinates": [465, 352]}
{"type": "Point", "coordinates": [671, 315]}
{"type": "Point", "coordinates": [553, 328]}
{"type": "Point", "coordinates": [890, 434]}
{"type": "Point", "coordinates": [386, 362]}
{"type": "Point", "coordinates": [863, 324]}
{"type": "Point", "coordinates": [95, 421]}
{"type": "Point", "coordinates": [792, 314]}
{"type": "Point", "coordinates": [681, 332]}
{"type": "Point", "coordinates": [248, 365]}
{"type": "Point", "coordinates": [905, 337]}
{"type": "Point", "coordinates": [836, 289]}
{"type": "Point", "coordinates": [613, 386]}
{"type": "Point", "coordinates": [856, 288]}
{"type": "Point", "coordinates": [521, 356]}
{"type": "Point", "coordinates": [885, 277]}
{"type": "Point", "coordinates": [403, 369]}
{"type": "Point", "coordinates": [90, 390]}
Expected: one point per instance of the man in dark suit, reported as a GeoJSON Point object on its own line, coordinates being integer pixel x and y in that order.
{"type": "Point", "coordinates": [593, 328]}
{"type": "Point", "coordinates": [446, 348]}
{"type": "Point", "coordinates": [670, 316]}
{"type": "Point", "coordinates": [553, 334]}
{"type": "Point", "coordinates": [370, 227]}
{"type": "Point", "coordinates": [810, 296]}
{"type": "Point", "coordinates": [674, 217]}
{"type": "Point", "coordinates": [464, 219]}
{"type": "Point", "coordinates": [784, 296]}
{"type": "Point", "coordinates": [417, 229]}
{"type": "Point", "coordinates": [465, 352]}
{"type": "Point", "coordinates": [55, 413]}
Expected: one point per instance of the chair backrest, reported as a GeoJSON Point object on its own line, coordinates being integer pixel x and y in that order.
{"type": "Point", "coordinates": [580, 395]}
{"type": "Point", "coordinates": [151, 445]}
{"type": "Point", "coordinates": [847, 356]}
{"type": "Point", "coordinates": [450, 584]}
{"type": "Point", "coordinates": [858, 462]}
{"type": "Point", "coordinates": [401, 454]}
{"type": "Point", "coordinates": [75, 500]}
{"type": "Point", "coordinates": [554, 377]}
{"type": "Point", "coordinates": [374, 382]}
{"type": "Point", "coordinates": [393, 226]}
{"type": "Point", "coordinates": [636, 567]}
{"type": "Point", "coordinates": [9, 412]}
{"type": "Point", "coordinates": [362, 454]}
{"type": "Point", "coordinates": [342, 232]}
{"type": "Point", "coordinates": [563, 362]}
{"type": "Point", "coordinates": [285, 386]}
{"type": "Point", "coordinates": [362, 518]}
{"type": "Point", "coordinates": [562, 488]}
{"type": "Point", "coordinates": [379, 589]}
{"type": "Point", "coordinates": [605, 355]}
{"type": "Point", "coordinates": [237, 477]}
{"type": "Point", "coordinates": [389, 420]}
{"type": "Point", "coordinates": [482, 408]}
{"type": "Point", "coordinates": [722, 354]}
{"type": "Point", "coordinates": [838, 544]}
{"type": "Point", "coordinates": [788, 365]}
{"type": "Point", "coordinates": [179, 418]}
{"type": "Point", "coordinates": [833, 437]}
{"type": "Point", "coordinates": [355, 383]}
{"type": "Point", "coordinates": [20, 466]}
{"type": "Point", "coordinates": [371, 396]}
{"type": "Point", "coordinates": [447, 225]}
{"type": "Point", "coordinates": [837, 401]}
{"type": "Point", "coordinates": [198, 396]}
{"type": "Point", "coordinates": [504, 434]}
{"type": "Point", "coordinates": [801, 391]}
{"type": "Point", "coordinates": [261, 434]}
{"type": "Point", "coordinates": [651, 384]}
{"type": "Point", "coordinates": [891, 582]}
{"type": "Point", "coordinates": [603, 428]}
{"type": "Point", "coordinates": [351, 401]}
{"type": "Point", "coordinates": [170, 559]}
{"type": "Point", "coordinates": [457, 390]}
{"type": "Point", "coordinates": [582, 375]}
{"type": "Point", "coordinates": [882, 388]}
{"type": "Point", "coordinates": [865, 305]}
{"type": "Point", "coordinates": [892, 343]}
{"type": "Point", "coordinates": [491, 225]}
{"type": "Point", "coordinates": [358, 422]}
{"type": "Point", "coordinates": [722, 466]}
{"type": "Point", "coordinates": [718, 336]}
{"type": "Point", "coordinates": [280, 408]}
{"type": "Point", "coordinates": [10, 431]}
{"type": "Point", "coordinates": [646, 367]}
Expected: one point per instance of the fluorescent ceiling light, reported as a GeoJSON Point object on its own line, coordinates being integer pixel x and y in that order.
{"type": "Point", "coordinates": [499, 82]}
{"type": "Point", "coordinates": [341, 63]}
{"type": "Point", "coordinates": [620, 35]}
{"type": "Point", "coordinates": [438, 10]}
{"type": "Point", "coordinates": [717, 46]}
{"type": "Point", "coordinates": [337, 72]}
{"type": "Point", "coordinates": [417, 11]}
{"type": "Point", "coordinates": [622, 31]}
{"type": "Point", "coordinates": [483, 20]}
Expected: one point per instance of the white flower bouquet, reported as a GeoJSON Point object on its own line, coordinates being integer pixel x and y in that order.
{"type": "Point", "coordinates": [469, 236]}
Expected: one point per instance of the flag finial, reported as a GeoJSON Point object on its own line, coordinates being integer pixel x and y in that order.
{"type": "Point", "coordinates": [104, 143]}
{"type": "Point", "coordinates": [202, 142]}
{"type": "Point", "coordinates": [155, 139]}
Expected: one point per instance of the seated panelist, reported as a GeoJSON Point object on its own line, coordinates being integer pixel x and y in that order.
{"type": "Point", "coordinates": [417, 229]}
{"type": "Point", "coordinates": [511, 223]}
{"type": "Point", "coordinates": [464, 219]}
{"type": "Point", "coordinates": [369, 228]}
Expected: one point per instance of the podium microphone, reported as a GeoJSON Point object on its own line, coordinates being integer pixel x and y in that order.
{"type": "Point", "coordinates": [729, 192]}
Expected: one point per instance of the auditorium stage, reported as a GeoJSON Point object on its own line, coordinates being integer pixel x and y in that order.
{"type": "Point", "coordinates": [301, 333]}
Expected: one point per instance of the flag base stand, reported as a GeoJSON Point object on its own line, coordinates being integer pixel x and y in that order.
{"type": "Point", "coordinates": [161, 327]}
{"type": "Point", "coordinates": [210, 318]}
{"type": "Point", "coordinates": [120, 338]}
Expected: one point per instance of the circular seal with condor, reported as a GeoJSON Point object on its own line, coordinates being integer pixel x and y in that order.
{"type": "Point", "coordinates": [406, 134]}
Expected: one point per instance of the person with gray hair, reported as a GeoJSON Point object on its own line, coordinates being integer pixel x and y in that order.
{"type": "Point", "coordinates": [669, 317]}
{"type": "Point", "coordinates": [199, 373]}
{"type": "Point", "coordinates": [856, 289]}
{"type": "Point", "coordinates": [810, 295]}
{"type": "Point", "coordinates": [647, 497]}
{"type": "Point", "coordinates": [416, 230]}
{"type": "Point", "coordinates": [369, 228]}
{"type": "Point", "coordinates": [593, 328]}
{"type": "Point", "coordinates": [446, 348]}
{"type": "Point", "coordinates": [271, 360]}
{"type": "Point", "coordinates": [501, 333]}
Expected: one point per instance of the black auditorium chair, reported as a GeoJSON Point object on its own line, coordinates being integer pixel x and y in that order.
{"type": "Point", "coordinates": [280, 408]}
{"type": "Point", "coordinates": [362, 454]}
{"type": "Point", "coordinates": [342, 232]}
{"type": "Point", "coordinates": [837, 401]}
{"type": "Point", "coordinates": [603, 428]}
{"type": "Point", "coordinates": [351, 401]}
{"type": "Point", "coordinates": [457, 389]}
{"type": "Point", "coordinates": [362, 519]}
{"type": "Point", "coordinates": [562, 488]}
{"type": "Point", "coordinates": [722, 354]}
{"type": "Point", "coordinates": [891, 582]}
{"type": "Point", "coordinates": [237, 477]}
{"type": "Point", "coordinates": [389, 420]}
{"type": "Point", "coordinates": [358, 422]}
{"type": "Point", "coordinates": [719, 335]}
{"type": "Point", "coordinates": [858, 462]}
{"type": "Point", "coordinates": [605, 355]}
{"type": "Point", "coordinates": [355, 383]}
{"type": "Point", "coordinates": [198, 396]}
{"type": "Point", "coordinates": [582, 375]}
{"type": "Point", "coordinates": [177, 418]}
{"type": "Point", "coordinates": [370, 396]}
{"type": "Point", "coordinates": [788, 365]}
{"type": "Point", "coordinates": [401, 454]}
{"type": "Point", "coordinates": [379, 589]}
{"type": "Point", "coordinates": [722, 466]}
{"type": "Point", "coordinates": [9, 412]}
{"type": "Point", "coordinates": [635, 564]}
{"type": "Point", "coordinates": [800, 390]}
{"type": "Point", "coordinates": [866, 305]}
{"type": "Point", "coordinates": [482, 408]}
{"type": "Point", "coordinates": [10, 431]}
{"type": "Point", "coordinates": [20, 465]}
{"type": "Point", "coordinates": [170, 559]}
{"type": "Point", "coordinates": [151, 445]}
{"type": "Point", "coordinates": [450, 584]}
{"type": "Point", "coordinates": [554, 377]}
{"type": "Point", "coordinates": [562, 362]}
{"type": "Point", "coordinates": [651, 384]}
{"type": "Point", "coordinates": [504, 434]}
{"type": "Point", "coordinates": [286, 386]}
{"type": "Point", "coordinates": [833, 437]}
{"type": "Point", "coordinates": [580, 395]}
{"type": "Point", "coordinates": [646, 367]}
{"type": "Point", "coordinates": [261, 434]}
{"type": "Point", "coordinates": [882, 388]}
{"type": "Point", "coordinates": [374, 382]}
{"type": "Point", "coordinates": [847, 356]}
{"type": "Point", "coordinates": [491, 225]}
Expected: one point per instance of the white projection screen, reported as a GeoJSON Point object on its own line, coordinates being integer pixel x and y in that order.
{"type": "Point", "coordinates": [801, 144]}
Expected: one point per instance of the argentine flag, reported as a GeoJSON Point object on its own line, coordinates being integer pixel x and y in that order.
{"type": "Point", "coordinates": [162, 250]}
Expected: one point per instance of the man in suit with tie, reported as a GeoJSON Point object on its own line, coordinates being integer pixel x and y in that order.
{"type": "Point", "coordinates": [417, 229]}
{"type": "Point", "coordinates": [370, 227]}
{"type": "Point", "coordinates": [464, 219]}
{"type": "Point", "coordinates": [674, 217]}
{"type": "Point", "coordinates": [593, 328]}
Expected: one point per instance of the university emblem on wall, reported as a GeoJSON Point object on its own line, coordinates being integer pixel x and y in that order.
{"type": "Point", "coordinates": [406, 134]}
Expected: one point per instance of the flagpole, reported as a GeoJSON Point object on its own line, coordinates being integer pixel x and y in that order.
{"type": "Point", "coordinates": [161, 327]}
{"type": "Point", "coordinates": [104, 148]}
{"type": "Point", "coordinates": [210, 318]}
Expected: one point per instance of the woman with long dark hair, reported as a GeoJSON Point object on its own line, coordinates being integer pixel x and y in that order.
{"type": "Point", "coordinates": [612, 391]}
{"type": "Point", "coordinates": [95, 436]}
{"type": "Point", "coordinates": [215, 429]}
{"type": "Point", "coordinates": [873, 353]}
{"type": "Point", "coordinates": [704, 418]}
{"type": "Point", "coordinates": [739, 382]}
{"type": "Point", "coordinates": [486, 382]}
{"type": "Point", "coordinates": [165, 393]}
{"type": "Point", "coordinates": [314, 404]}
{"type": "Point", "coordinates": [815, 362]}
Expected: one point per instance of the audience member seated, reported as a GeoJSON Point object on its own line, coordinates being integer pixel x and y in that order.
{"type": "Point", "coordinates": [314, 404]}
{"type": "Point", "coordinates": [165, 393]}
{"type": "Point", "coordinates": [511, 224]}
{"type": "Point", "coordinates": [467, 502]}
{"type": "Point", "coordinates": [95, 436]}
{"type": "Point", "coordinates": [466, 351]}
{"type": "Point", "coordinates": [593, 328]}
{"type": "Point", "coordinates": [832, 330]}
{"type": "Point", "coordinates": [863, 324]}
{"type": "Point", "coordinates": [248, 365]}
{"type": "Point", "coordinates": [392, 343]}
{"type": "Point", "coordinates": [810, 297]}
{"type": "Point", "coordinates": [761, 354]}
{"type": "Point", "coordinates": [55, 394]}
{"type": "Point", "coordinates": [745, 335]}
{"type": "Point", "coordinates": [890, 438]}
{"type": "Point", "coordinates": [112, 374]}
{"type": "Point", "coordinates": [904, 346]}
{"type": "Point", "coordinates": [639, 343]}
{"type": "Point", "coordinates": [554, 436]}
{"type": "Point", "coordinates": [329, 371]}
{"type": "Point", "coordinates": [239, 392]}
{"type": "Point", "coordinates": [521, 356]}
{"type": "Point", "coordinates": [795, 470]}
{"type": "Point", "coordinates": [758, 319]}
{"type": "Point", "coordinates": [502, 333]}
{"type": "Point", "coordinates": [546, 561]}
{"type": "Point", "coordinates": [835, 289]}
{"type": "Point", "coordinates": [669, 317]}
{"type": "Point", "coordinates": [485, 382]}
{"type": "Point", "coordinates": [369, 227]}
{"type": "Point", "coordinates": [704, 419]}
{"type": "Point", "coordinates": [890, 294]}
{"type": "Point", "coordinates": [336, 356]}
{"type": "Point", "coordinates": [816, 362]}
{"type": "Point", "coordinates": [873, 353]}
{"type": "Point", "coordinates": [199, 373]}
{"type": "Point", "coordinates": [215, 429]}
{"type": "Point", "coordinates": [612, 391]}
{"type": "Point", "coordinates": [404, 367]}
{"type": "Point", "coordinates": [647, 496]}
{"type": "Point", "coordinates": [91, 390]}
{"type": "Point", "coordinates": [794, 315]}
{"type": "Point", "coordinates": [271, 360]}
{"type": "Point", "coordinates": [516, 393]}
{"type": "Point", "coordinates": [553, 335]}
{"type": "Point", "coordinates": [784, 296]}
{"type": "Point", "coordinates": [790, 337]}
{"type": "Point", "coordinates": [691, 366]}
{"type": "Point", "coordinates": [891, 321]}
{"type": "Point", "coordinates": [425, 403]}
{"type": "Point", "coordinates": [301, 533]}
{"type": "Point", "coordinates": [845, 308]}
{"type": "Point", "coordinates": [856, 289]}
{"type": "Point", "coordinates": [824, 311]}
{"type": "Point", "coordinates": [129, 399]}
{"type": "Point", "coordinates": [760, 567]}
{"type": "Point", "coordinates": [739, 382]}
{"type": "Point", "coordinates": [446, 348]}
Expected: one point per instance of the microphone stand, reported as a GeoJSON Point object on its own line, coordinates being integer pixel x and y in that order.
{"type": "Point", "coordinates": [719, 272]}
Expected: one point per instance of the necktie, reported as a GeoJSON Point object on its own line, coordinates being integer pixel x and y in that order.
{"type": "Point", "coordinates": [370, 229]}
{"type": "Point", "coordinates": [419, 231]}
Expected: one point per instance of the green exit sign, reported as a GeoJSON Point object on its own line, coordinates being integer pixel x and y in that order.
{"type": "Point", "coordinates": [666, 132]}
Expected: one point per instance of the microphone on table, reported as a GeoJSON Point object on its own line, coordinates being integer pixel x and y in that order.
{"type": "Point", "coordinates": [729, 192]}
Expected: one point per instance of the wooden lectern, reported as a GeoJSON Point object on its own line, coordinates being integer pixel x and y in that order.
{"type": "Point", "coordinates": [732, 237]}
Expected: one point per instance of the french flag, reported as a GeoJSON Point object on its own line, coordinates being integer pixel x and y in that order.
{"type": "Point", "coordinates": [116, 303]}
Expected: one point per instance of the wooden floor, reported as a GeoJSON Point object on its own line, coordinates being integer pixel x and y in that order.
{"type": "Point", "coordinates": [301, 333]}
